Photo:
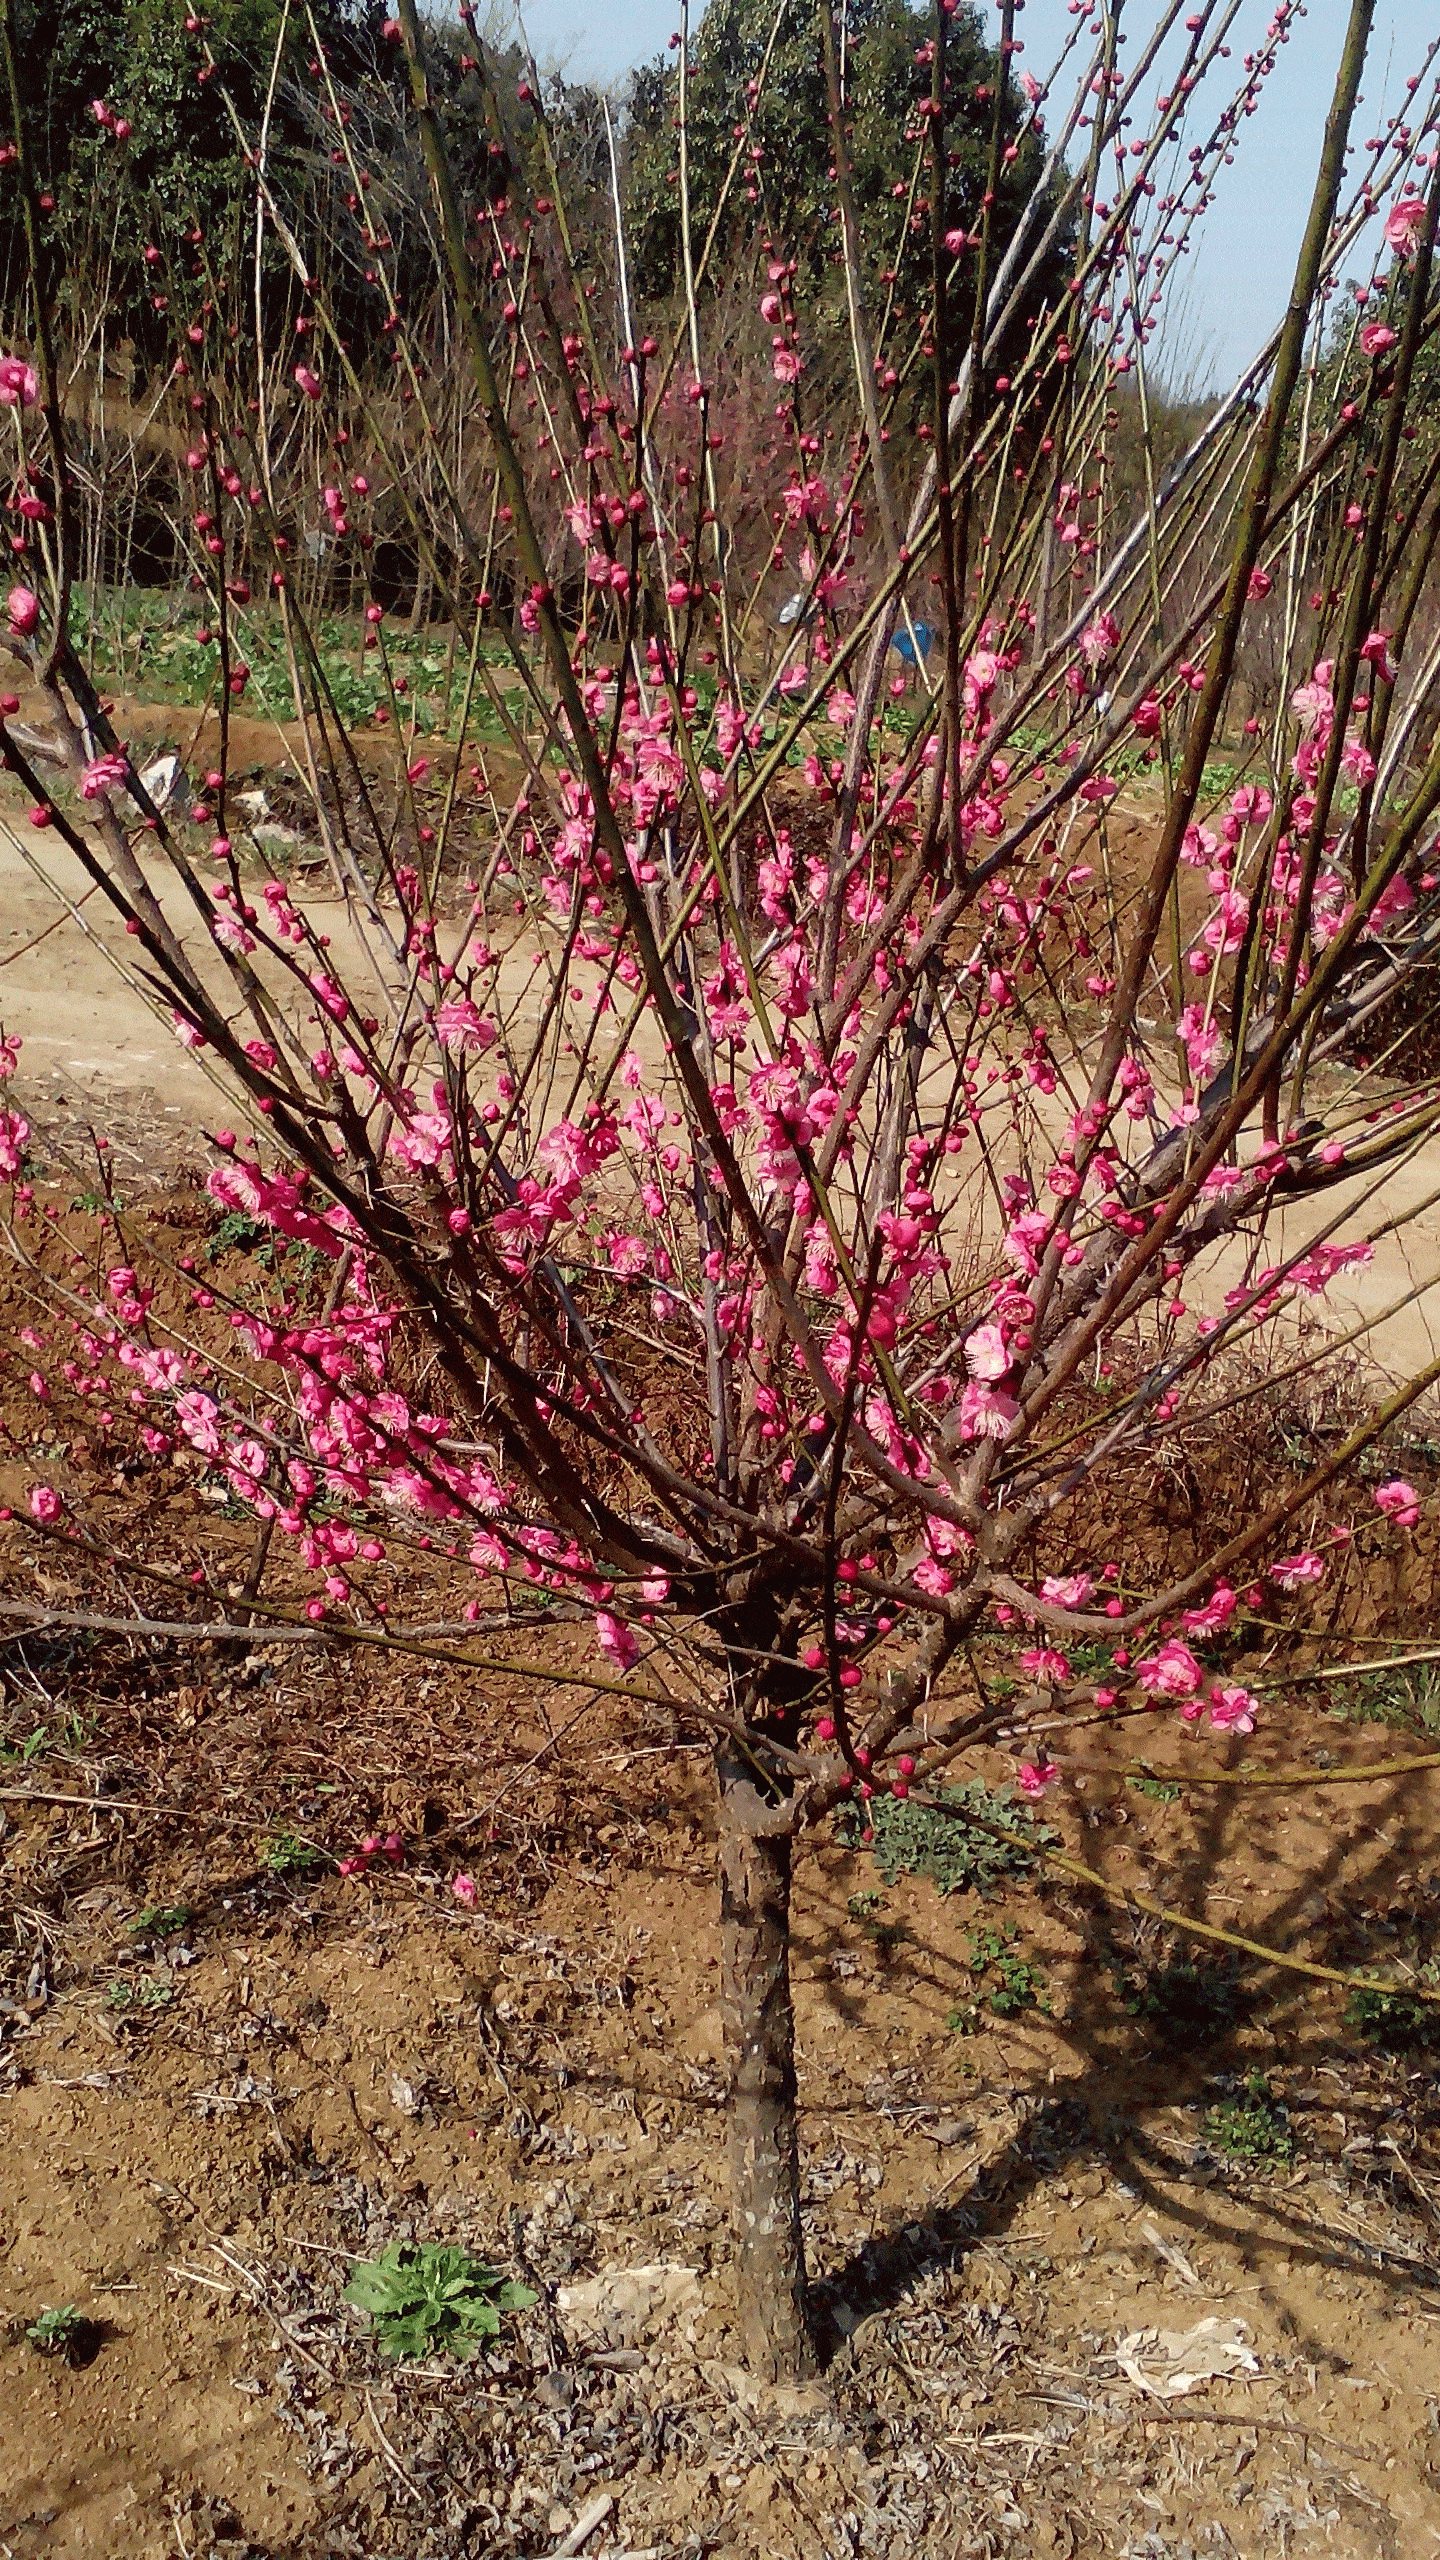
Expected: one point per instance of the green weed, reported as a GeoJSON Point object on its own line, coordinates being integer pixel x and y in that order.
{"type": "Point", "coordinates": [143, 1993]}
{"type": "Point", "coordinates": [1008, 1982]}
{"type": "Point", "coordinates": [938, 1842]}
{"type": "Point", "coordinates": [284, 1853]}
{"type": "Point", "coordinates": [1396, 2020]}
{"type": "Point", "coordinates": [425, 2296]}
{"type": "Point", "coordinates": [63, 2331]}
{"type": "Point", "coordinates": [1251, 2126]}
{"type": "Point", "coordinates": [159, 1920]}
{"type": "Point", "coordinates": [1405, 1695]}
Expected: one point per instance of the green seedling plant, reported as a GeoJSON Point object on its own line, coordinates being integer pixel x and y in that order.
{"type": "Point", "coordinates": [1181, 2003]}
{"type": "Point", "coordinates": [1009, 1982]}
{"type": "Point", "coordinates": [159, 1921]}
{"type": "Point", "coordinates": [284, 1853]}
{"type": "Point", "coordinates": [428, 2297]}
{"type": "Point", "coordinates": [146, 1992]}
{"type": "Point", "coordinates": [1395, 2020]}
{"type": "Point", "coordinates": [1252, 2125]}
{"type": "Point", "coordinates": [1405, 1695]}
{"type": "Point", "coordinates": [62, 2330]}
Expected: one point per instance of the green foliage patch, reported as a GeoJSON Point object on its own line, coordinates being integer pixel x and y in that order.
{"type": "Point", "coordinates": [1008, 1983]}
{"type": "Point", "coordinates": [1396, 2020]}
{"type": "Point", "coordinates": [427, 2297]}
{"type": "Point", "coordinates": [63, 2331]}
{"type": "Point", "coordinates": [937, 1841]}
{"type": "Point", "coordinates": [1252, 2125]}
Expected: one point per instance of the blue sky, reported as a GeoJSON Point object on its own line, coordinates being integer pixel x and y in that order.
{"type": "Point", "coordinates": [1241, 270]}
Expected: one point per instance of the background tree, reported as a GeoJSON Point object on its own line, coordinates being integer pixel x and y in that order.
{"type": "Point", "coordinates": [773, 100]}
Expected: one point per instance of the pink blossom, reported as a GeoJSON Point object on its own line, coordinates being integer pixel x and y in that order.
{"type": "Point", "coordinates": [1099, 640]}
{"type": "Point", "coordinates": [1173, 1672]}
{"type": "Point", "coordinates": [1375, 650]}
{"type": "Point", "coordinates": [1294, 1573]}
{"type": "Point", "coordinates": [980, 675]}
{"type": "Point", "coordinates": [1399, 1501]}
{"type": "Point", "coordinates": [616, 1641]}
{"type": "Point", "coordinates": [1394, 899]}
{"type": "Point", "coordinates": [460, 1025]}
{"type": "Point", "coordinates": [932, 1578]}
{"type": "Point", "coordinates": [1024, 1238]}
{"type": "Point", "coordinates": [309, 382]}
{"type": "Point", "coordinates": [629, 1256]}
{"type": "Point", "coordinates": [19, 384]}
{"type": "Point", "coordinates": [392, 1847]}
{"type": "Point", "coordinates": [1035, 1779]}
{"type": "Point", "coordinates": [1202, 1040]}
{"type": "Point", "coordinates": [24, 608]}
{"type": "Point", "coordinates": [1042, 1662]}
{"type": "Point", "coordinates": [45, 1503]}
{"type": "Point", "coordinates": [986, 1415]}
{"type": "Point", "coordinates": [1405, 227]}
{"type": "Point", "coordinates": [463, 1888]}
{"type": "Point", "coordinates": [1260, 585]}
{"type": "Point", "coordinates": [1313, 704]}
{"type": "Point", "coordinates": [104, 773]}
{"type": "Point", "coordinates": [987, 1353]}
{"type": "Point", "coordinates": [14, 1138]}
{"type": "Point", "coordinates": [1376, 338]}
{"type": "Point", "coordinates": [1212, 1614]}
{"type": "Point", "coordinates": [1068, 1590]}
{"type": "Point", "coordinates": [1232, 1709]}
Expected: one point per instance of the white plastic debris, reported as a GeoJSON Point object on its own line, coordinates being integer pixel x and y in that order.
{"type": "Point", "coordinates": [1169, 2362]}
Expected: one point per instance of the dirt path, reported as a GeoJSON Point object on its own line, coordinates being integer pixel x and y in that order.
{"type": "Point", "coordinates": [100, 1054]}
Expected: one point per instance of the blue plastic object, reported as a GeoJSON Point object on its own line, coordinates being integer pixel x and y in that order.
{"type": "Point", "coordinates": [908, 649]}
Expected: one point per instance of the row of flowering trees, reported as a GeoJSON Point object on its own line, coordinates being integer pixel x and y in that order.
{"type": "Point", "coordinates": [866, 1160]}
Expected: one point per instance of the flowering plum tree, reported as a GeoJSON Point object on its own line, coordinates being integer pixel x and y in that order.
{"type": "Point", "coordinates": [806, 1151]}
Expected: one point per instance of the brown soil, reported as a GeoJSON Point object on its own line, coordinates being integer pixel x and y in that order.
{"type": "Point", "coordinates": [223, 2082]}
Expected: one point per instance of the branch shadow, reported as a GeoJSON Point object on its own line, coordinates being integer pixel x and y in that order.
{"type": "Point", "coordinates": [1379, 1873]}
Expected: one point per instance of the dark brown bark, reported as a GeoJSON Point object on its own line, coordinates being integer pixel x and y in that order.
{"type": "Point", "coordinates": [760, 2050]}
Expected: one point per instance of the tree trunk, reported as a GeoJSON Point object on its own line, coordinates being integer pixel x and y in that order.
{"type": "Point", "coordinates": [760, 2051]}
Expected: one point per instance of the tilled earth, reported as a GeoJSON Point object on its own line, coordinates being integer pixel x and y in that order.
{"type": "Point", "coordinates": [228, 2075]}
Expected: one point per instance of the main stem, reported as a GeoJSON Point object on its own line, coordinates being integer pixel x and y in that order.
{"type": "Point", "coordinates": [759, 2020]}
